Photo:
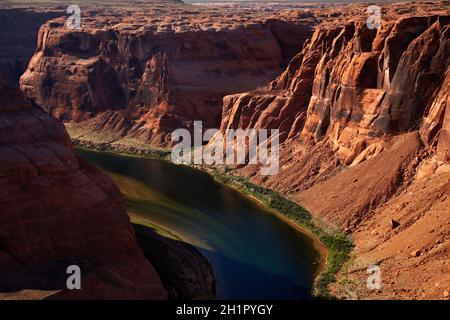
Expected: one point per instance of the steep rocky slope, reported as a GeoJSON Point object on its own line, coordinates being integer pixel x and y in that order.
{"type": "Point", "coordinates": [351, 85]}
{"type": "Point", "coordinates": [58, 210]}
{"type": "Point", "coordinates": [363, 118]}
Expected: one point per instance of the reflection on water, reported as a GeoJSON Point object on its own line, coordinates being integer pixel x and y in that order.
{"type": "Point", "coordinates": [254, 254]}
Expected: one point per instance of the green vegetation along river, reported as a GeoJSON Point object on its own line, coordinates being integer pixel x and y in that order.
{"type": "Point", "coordinates": [254, 254]}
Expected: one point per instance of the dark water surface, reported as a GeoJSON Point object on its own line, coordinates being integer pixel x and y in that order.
{"type": "Point", "coordinates": [254, 254]}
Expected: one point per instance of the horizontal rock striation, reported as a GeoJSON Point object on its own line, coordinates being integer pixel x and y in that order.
{"type": "Point", "coordinates": [144, 78]}
{"type": "Point", "coordinates": [58, 210]}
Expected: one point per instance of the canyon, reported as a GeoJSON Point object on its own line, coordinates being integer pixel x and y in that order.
{"type": "Point", "coordinates": [362, 113]}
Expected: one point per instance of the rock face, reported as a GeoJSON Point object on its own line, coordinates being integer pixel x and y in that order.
{"type": "Point", "coordinates": [436, 126]}
{"type": "Point", "coordinates": [58, 210]}
{"type": "Point", "coordinates": [349, 86]}
{"type": "Point", "coordinates": [364, 122]}
{"type": "Point", "coordinates": [145, 77]}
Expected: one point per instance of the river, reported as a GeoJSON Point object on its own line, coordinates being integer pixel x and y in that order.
{"type": "Point", "coordinates": [254, 254]}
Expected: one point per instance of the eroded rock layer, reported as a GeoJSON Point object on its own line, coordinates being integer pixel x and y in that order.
{"type": "Point", "coordinates": [58, 210]}
{"type": "Point", "coordinates": [353, 85]}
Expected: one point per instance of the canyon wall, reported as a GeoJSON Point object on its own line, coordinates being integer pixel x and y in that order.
{"type": "Point", "coordinates": [362, 113]}
{"type": "Point", "coordinates": [363, 120]}
{"type": "Point", "coordinates": [58, 210]}
{"type": "Point", "coordinates": [142, 78]}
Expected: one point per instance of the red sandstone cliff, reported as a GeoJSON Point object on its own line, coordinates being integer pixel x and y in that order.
{"type": "Point", "coordinates": [363, 116]}
{"type": "Point", "coordinates": [142, 78]}
{"type": "Point", "coordinates": [352, 85]}
{"type": "Point", "coordinates": [58, 210]}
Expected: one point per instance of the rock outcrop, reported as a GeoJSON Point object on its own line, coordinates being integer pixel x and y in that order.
{"type": "Point", "coordinates": [58, 210]}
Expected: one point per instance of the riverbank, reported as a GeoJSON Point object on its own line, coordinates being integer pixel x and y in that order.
{"type": "Point", "coordinates": [317, 245]}
{"type": "Point", "coordinates": [333, 246]}
{"type": "Point", "coordinates": [338, 245]}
